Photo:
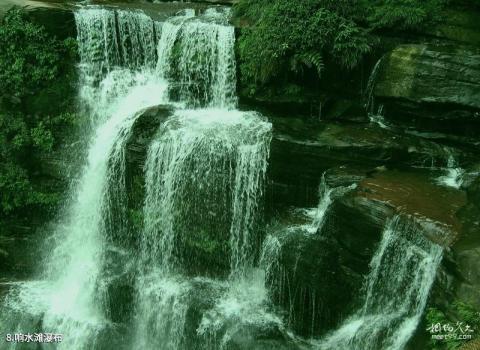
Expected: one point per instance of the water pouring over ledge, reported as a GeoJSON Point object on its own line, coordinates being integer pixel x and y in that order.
{"type": "Point", "coordinates": [126, 67]}
{"type": "Point", "coordinates": [206, 154]}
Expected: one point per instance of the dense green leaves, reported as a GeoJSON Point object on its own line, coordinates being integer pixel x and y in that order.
{"type": "Point", "coordinates": [403, 14]}
{"type": "Point", "coordinates": [25, 68]}
{"type": "Point", "coordinates": [32, 63]}
{"type": "Point", "coordinates": [291, 35]}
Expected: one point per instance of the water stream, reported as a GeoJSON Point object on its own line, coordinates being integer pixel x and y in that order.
{"type": "Point", "coordinates": [205, 178]}
{"type": "Point", "coordinates": [395, 291]}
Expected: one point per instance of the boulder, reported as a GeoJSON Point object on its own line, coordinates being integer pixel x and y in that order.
{"type": "Point", "coordinates": [412, 193]}
{"type": "Point", "coordinates": [307, 272]}
{"type": "Point", "coordinates": [467, 248]}
{"type": "Point", "coordinates": [431, 87]}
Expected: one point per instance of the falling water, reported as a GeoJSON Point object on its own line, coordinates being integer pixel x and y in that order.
{"type": "Point", "coordinates": [204, 180]}
{"type": "Point", "coordinates": [75, 276]}
{"type": "Point", "coordinates": [453, 173]}
{"type": "Point", "coordinates": [308, 224]}
{"type": "Point", "coordinates": [197, 56]}
{"type": "Point", "coordinates": [227, 152]}
{"type": "Point", "coordinates": [204, 177]}
{"type": "Point", "coordinates": [327, 195]}
{"type": "Point", "coordinates": [370, 90]}
{"type": "Point", "coordinates": [395, 293]}
{"type": "Point", "coordinates": [169, 36]}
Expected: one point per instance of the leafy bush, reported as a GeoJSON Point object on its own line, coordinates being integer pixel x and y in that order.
{"type": "Point", "coordinates": [292, 35]}
{"type": "Point", "coordinates": [29, 57]}
{"type": "Point", "coordinates": [403, 14]}
{"type": "Point", "coordinates": [31, 64]}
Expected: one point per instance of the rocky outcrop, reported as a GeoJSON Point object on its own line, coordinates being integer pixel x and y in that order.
{"type": "Point", "coordinates": [302, 150]}
{"type": "Point", "coordinates": [312, 283]}
{"type": "Point", "coordinates": [431, 87]}
{"type": "Point", "coordinates": [339, 255]}
{"type": "Point", "coordinates": [384, 194]}
{"type": "Point", "coordinates": [467, 249]}
{"type": "Point", "coordinates": [458, 26]}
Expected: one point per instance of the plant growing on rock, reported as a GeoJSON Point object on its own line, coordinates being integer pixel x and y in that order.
{"type": "Point", "coordinates": [36, 81]}
{"type": "Point", "coordinates": [285, 37]}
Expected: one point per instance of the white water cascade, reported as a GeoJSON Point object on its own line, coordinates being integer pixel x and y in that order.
{"type": "Point", "coordinates": [205, 175]}
{"type": "Point", "coordinates": [115, 89]}
{"type": "Point", "coordinates": [453, 173]}
{"type": "Point", "coordinates": [395, 292]}
{"type": "Point", "coordinates": [211, 157]}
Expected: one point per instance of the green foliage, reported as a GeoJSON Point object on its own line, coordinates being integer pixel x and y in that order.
{"type": "Point", "coordinates": [29, 58]}
{"type": "Point", "coordinates": [291, 36]}
{"type": "Point", "coordinates": [403, 14]}
{"type": "Point", "coordinates": [31, 64]}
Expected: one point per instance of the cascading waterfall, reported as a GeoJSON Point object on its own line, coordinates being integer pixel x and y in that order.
{"type": "Point", "coordinates": [315, 218]}
{"type": "Point", "coordinates": [396, 289]}
{"type": "Point", "coordinates": [204, 180]}
{"type": "Point", "coordinates": [327, 195]}
{"type": "Point", "coordinates": [75, 276]}
{"type": "Point", "coordinates": [213, 159]}
{"type": "Point", "coordinates": [169, 36]}
{"type": "Point", "coordinates": [205, 174]}
{"type": "Point", "coordinates": [208, 59]}
{"type": "Point", "coordinates": [227, 151]}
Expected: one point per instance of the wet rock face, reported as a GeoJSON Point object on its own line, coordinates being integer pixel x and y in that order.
{"type": "Point", "coordinates": [312, 283]}
{"type": "Point", "coordinates": [142, 134]}
{"type": "Point", "coordinates": [431, 87]}
{"type": "Point", "coordinates": [302, 150]}
{"type": "Point", "coordinates": [458, 26]}
{"type": "Point", "coordinates": [338, 256]}
{"type": "Point", "coordinates": [260, 338]}
{"type": "Point", "coordinates": [467, 250]}
{"type": "Point", "coordinates": [384, 194]}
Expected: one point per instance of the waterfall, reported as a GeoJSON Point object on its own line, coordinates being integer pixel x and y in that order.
{"type": "Point", "coordinates": [327, 195]}
{"type": "Point", "coordinates": [205, 175]}
{"type": "Point", "coordinates": [395, 293]}
{"type": "Point", "coordinates": [308, 227]}
{"type": "Point", "coordinates": [204, 179]}
{"type": "Point", "coordinates": [116, 86]}
{"type": "Point", "coordinates": [197, 56]}
{"type": "Point", "coordinates": [227, 152]}
{"type": "Point", "coordinates": [370, 90]}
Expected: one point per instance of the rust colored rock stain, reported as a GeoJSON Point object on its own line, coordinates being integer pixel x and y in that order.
{"type": "Point", "coordinates": [415, 194]}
